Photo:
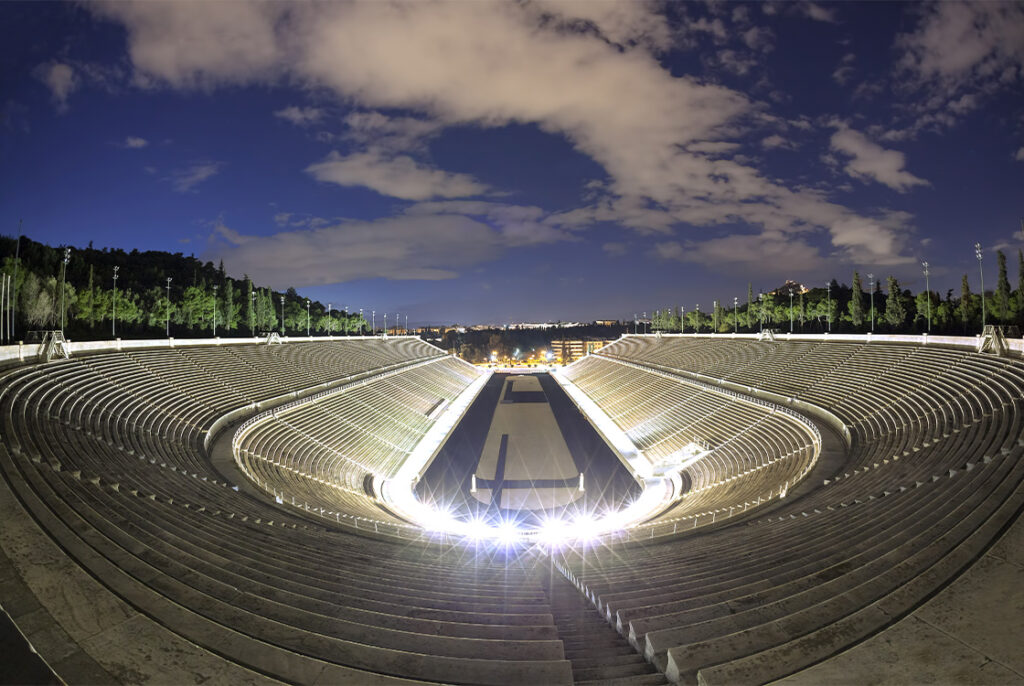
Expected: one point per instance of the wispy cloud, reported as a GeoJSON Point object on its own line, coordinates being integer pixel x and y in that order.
{"type": "Point", "coordinates": [134, 142]}
{"type": "Point", "coordinates": [300, 116]}
{"type": "Point", "coordinates": [398, 176]}
{"type": "Point", "coordinates": [186, 179]}
{"type": "Point", "coordinates": [870, 161]}
{"type": "Point", "coordinates": [61, 79]}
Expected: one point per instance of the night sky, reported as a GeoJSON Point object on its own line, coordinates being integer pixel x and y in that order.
{"type": "Point", "coordinates": [502, 162]}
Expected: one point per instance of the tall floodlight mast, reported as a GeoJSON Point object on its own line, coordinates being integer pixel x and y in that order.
{"type": "Point", "coordinates": [167, 325]}
{"type": "Point", "coordinates": [828, 305]}
{"type": "Point", "coordinates": [981, 272]}
{"type": "Point", "coordinates": [63, 276]}
{"type": "Point", "coordinates": [215, 310]}
{"type": "Point", "coordinates": [735, 315]}
{"type": "Point", "coordinates": [282, 315]}
{"type": "Point", "coordinates": [113, 306]}
{"type": "Point", "coordinates": [871, 288]}
{"type": "Point", "coordinates": [715, 330]}
{"type": "Point", "coordinates": [928, 292]}
{"type": "Point", "coordinates": [791, 310]}
{"type": "Point", "coordinates": [307, 317]}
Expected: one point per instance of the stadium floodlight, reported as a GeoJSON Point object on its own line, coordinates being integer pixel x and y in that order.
{"type": "Point", "coordinates": [63, 275]}
{"type": "Point", "coordinates": [715, 310]}
{"type": "Point", "coordinates": [928, 293]}
{"type": "Point", "coordinates": [507, 533]}
{"type": "Point", "coordinates": [282, 315]}
{"type": "Point", "coordinates": [215, 310]}
{"type": "Point", "coordinates": [168, 323]}
{"type": "Point", "coordinates": [477, 529]}
{"type": "Point", "coordinates": [406, 325]}
{"type": "Point", "coordinates": [981, 272]}
{"type": "Point", "coordinates": [735, 315]}
{"type": "Point", "coordinates": [554, 532]}
{"type": "Point", "coordinates": [385, 323]}
{"type": "Point", "coordinates": [871, 288]}
{"type": "Point", "coordinates": [113, 306]}
{"type": "Point", "coordinates": [696, 319]}
{"type": "Point", "coordinates": [307, 317]}
{"type": "Point", "coordinates": [682, 318]}
{"type": "Point", "coordinates": [791, 310]}
{"type": "Point", "coordinates": [828, 306]}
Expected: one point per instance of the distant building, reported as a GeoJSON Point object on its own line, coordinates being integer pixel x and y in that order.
{"type": "Point", "coordinates": [606, 322]}
{"type": "Point", "coordinates": [789, 285]}
{"type": "Point", "coordinates": [572, 349]}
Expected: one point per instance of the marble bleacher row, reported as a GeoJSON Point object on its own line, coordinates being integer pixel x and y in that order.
{"type": "Point", "coordinates": [934, 473]}
{"type": "Point", "coordinates": [755, 453]}
{"type": "Point", "coordinates": [319, 453]}
{"type": "Point", "coordinates": [106, 454]}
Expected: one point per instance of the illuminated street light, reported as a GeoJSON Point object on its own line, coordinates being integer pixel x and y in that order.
{"type": "Point", "coordinates": [307, 317]}
{"type": "Point", "coordinates": [828, 311]}
{"type": "Point", "coordinates": [928, 292]}
{"type": "Point", "coordinates": [981, 271]}
{"type": "Point", "coordinates": [871, 288]}
{"type": "Point", "coordinates": [696, 319]}
{"type": "Point", "coordinates": [682, 318]}
{"type": "Point", "coordinates": [735, 315]}
{"type": "Point", "coordinates": [791, 310]}
{"type": "Point", "coordinates": [63, 276]}
{"type": "Point", "coordinates": [252, 314]}
{"type": "Point", "coordinates": [282, 315]}
{"type": "Point", "coordinates": [113, 305]}
{"type": "Point", "coordinates": [168, 324]}
{"type": "Point", "coordinates": [215, 311]}
{"type": "Point", "coordinates": [373, 322]}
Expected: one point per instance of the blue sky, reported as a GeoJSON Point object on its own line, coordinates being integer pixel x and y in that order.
{"type": "Point", "coordinates": [503, 162]}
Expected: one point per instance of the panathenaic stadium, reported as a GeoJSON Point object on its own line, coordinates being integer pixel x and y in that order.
{"type": "Point", "coordinates": [670, 509]}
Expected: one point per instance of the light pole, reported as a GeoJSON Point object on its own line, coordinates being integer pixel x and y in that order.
{"type": "Point", "coordinates": [215, 287]}
{"type": "Point", "coordinates": [113, 306]}
{"type": "Point", "coordinates": [373, 322]}
{"type": "Point", "coordinates": [928, 293]}
{"type": "Point", "coordinates": [328, 319]}
{"type": "Point", "coordinates": [361, 321]}
{"type": "Point", "coordinates": [167, 326]}
{"type": "Point", "coordinates": [282, 315]}
{"type": "Point", "coordinates": [716, 317]}
{"type": "Point", "coordinates": [385, 323]}
{"type": "Point", "coordinates": [63, 276]}
{"type": "Point", "coordinates": [871, 288]}
{"type": "Point", "coordinates": [682, 319]}
{"type": "Point", "coordinates": [696, 319]}
{"type": "Point", "coordinates": [735, 315]}
{"type": "Point", "coordinates": [307, 317]}
{"type": "Point", "coordinates": [635, 321]}
{"type": "Point", "coordinates": [406, 325]}
{"type": "Point", "coordinates": [828, 305]}
{"type": "Point", "coordinates": [791, 310]}
{"type": "Point", "coordinates": [981, 271]}
{"type": "Point", "coordinates": [252, 315]}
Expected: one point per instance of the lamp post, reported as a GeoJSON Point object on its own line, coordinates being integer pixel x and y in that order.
{"type": "Point", "coordinates": [682, 319]}
{"type": "Point", "coordinates": [735, 315]}
{"type": "Point", "coordinates": [406, 325]}
{"type": "Point", "coordinates": [981, 272]}
{"type": "Point", "coordinates": [361, 321]}
{"type": "Point", "coordinates": [696, 319]}
{"type": "Point", "coordinates": [928, 293]}
{"type": "Point", "coordinates": [113, 306]}
{"type": "Point", "coordinates": [373, 322]}
{"type": "Point", "coordinates": [215, 287]}
{"type": "Point", "coordinates": [282, 315]}
{"type": "Point", "coordinates": [328, 319]}
{"type": "Point", "coordinates": [167, 325]}
{"type": "Point", "coordinates": [716, 317]}
{"type": "Point", "coordinates": [828, 305]}
{"type": "Point", "coordinates": [385, 323]}
{"type": "Point", "coordinates": [791, 310]}
{"type": "Point", "coordinates": [252, 315]}
{"type": "Point", "coordinates": [307, 317]}
{"type": "Point", "coordinates": [63, 275]}
{"type": "Point", "coordinates": [871, 288]}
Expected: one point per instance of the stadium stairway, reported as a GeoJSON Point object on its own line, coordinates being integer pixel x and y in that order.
{"type": "Point", "coordinates": [599, 655]}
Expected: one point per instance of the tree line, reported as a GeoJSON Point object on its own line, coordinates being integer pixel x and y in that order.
{"type": "Point", "coordinates": [82, 293]}
{"type": "Point", "coordinates": [853, 309]}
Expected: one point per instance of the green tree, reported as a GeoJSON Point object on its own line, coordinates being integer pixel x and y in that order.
{"type": "Point", "coordinates": [895, 309]}
{"type": "Point", "coordinates": [856, 306]}
{"type": "Point", "coordinates": [1001, 297]}
{"type": "Point", "coordinates": [750, 305]}
{"type": "Point", "coordinates": [801, 311]}
{"type": "Point", "coordinates": [967, 308]}
{"type": "Point", "coordinates": [250, 309]}
{"type": "Point", "coordinates": [1020, 284]}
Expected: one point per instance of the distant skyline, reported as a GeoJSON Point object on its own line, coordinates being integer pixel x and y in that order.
{"type": "Point", "coordinates": [534, 161]}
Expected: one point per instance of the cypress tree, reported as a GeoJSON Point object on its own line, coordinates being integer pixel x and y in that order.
{"type": "Point", "coordinates": [856, 306]}
{"type": "Point", "coordinates": [750, 305]}
{"type": "Point", "coordinates": [1020, 286]}
{"type": "Point", "coordinates": [1002, 294]}
{"type": "Point", "coordinates": [895, 310]}
{"type": "Point", "coordinates": [966, 307]}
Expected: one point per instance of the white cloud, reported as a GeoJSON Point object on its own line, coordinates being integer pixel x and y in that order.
{"type": "Point", "coordinates": [135, 142]}
{"type": "Point", "coordinates": [60, 78]}
{"type": "Point", "coordinates": [614, 249]}
{"type": "Point", "coordinates": [399, 176]}
{"type": "Point", "coordinates": [518, 224]}
{"type": "Point", "coordinates": [817, 12]}
{"type": "Point", "coordinates": [186, 179]}
{"type": "Point", "coordinates": [845, 69]}
{"type": "Point", "coordinates": [870, 161]}
{"type": "Point", "coordinates": [428, 247]}
{"type": "Point", "coordinates": [1020, 154]}
{"type": "Point", "coordinates": [776, 141]}
{"type": "Point", "coordinates": [583, 71]}
{"type": "Point", "coordinates": [759, 38]}
{"type": "Point", "coordinates": [300, 116]}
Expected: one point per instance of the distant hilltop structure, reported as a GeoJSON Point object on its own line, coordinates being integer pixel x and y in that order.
{"type": "Point", "coordinates": [789, 285]}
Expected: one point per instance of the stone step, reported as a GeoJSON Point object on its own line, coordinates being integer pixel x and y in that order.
{"type": "Point", "coordinates": [655, 679]}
